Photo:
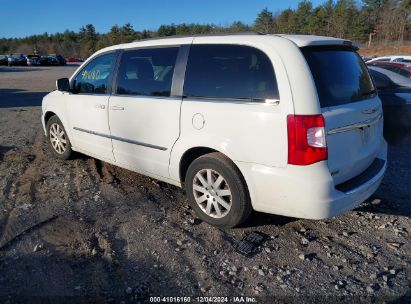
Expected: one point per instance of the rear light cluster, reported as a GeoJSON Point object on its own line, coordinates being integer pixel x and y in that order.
{"type": "Point", "coordinates": [306, 139]}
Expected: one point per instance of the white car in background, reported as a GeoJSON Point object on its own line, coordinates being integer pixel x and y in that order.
{"type": "Point", "coordinates": [242, 122]}
{"type": "Point", "coordinates": [396, 58]}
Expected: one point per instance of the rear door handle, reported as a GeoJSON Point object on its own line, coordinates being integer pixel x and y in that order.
{"type": "Point", "coordinates": [100, 106]}
{"type": "Point", "coordinates": [117, 108]}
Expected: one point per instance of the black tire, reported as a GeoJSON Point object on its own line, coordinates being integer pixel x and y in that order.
{"type": "Point", "coordinates": [240, 200]}
{"type": "Point", "coordinates": [68, 152]}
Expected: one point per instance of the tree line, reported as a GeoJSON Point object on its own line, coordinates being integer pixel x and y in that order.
{"type": "Point", "coordinates": [368, 21]}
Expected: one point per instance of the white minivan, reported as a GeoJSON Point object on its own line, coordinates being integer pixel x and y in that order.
{"type": "Point", "coordinates": [283, 124]}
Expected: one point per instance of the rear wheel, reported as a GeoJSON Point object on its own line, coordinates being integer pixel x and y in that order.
{"type": "Point", "coordinates": [58, 139]}
{"type": "Point", "coordinates": [217, 191]}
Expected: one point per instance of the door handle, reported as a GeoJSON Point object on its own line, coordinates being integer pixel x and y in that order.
{"type": "Point", "coordinates": [117, 108]}
{"type": "Point", "coordinates": [100, 106]}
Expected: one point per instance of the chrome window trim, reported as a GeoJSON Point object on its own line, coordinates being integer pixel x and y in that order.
{"type": "Point", "coordinates": [232, 100]}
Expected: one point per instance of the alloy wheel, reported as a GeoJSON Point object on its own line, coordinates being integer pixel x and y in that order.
{"type": "Point", "coordinates": [212, 193]}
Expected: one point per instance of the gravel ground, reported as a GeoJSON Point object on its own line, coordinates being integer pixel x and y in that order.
{"type": "Point", "coordinates": [86, 231]}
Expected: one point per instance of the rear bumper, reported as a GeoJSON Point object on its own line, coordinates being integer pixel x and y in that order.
{"type": "Point", "coordinates": [308, 191]}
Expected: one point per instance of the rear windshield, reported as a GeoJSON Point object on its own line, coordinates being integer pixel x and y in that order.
{"type": "Point", "coordinates": [340, 75]}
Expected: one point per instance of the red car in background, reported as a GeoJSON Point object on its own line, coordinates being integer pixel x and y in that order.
{"type": "Point", "coordinates": [403, 69]}
{"type": "Point", "coordinates": [74, 59]}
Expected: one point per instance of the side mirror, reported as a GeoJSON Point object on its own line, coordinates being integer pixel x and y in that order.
{"type": "Point", "coordinates": [63, 85]}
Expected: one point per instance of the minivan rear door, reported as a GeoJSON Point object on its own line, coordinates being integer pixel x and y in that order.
{"type": "Point", "coordinates": [350, 106]}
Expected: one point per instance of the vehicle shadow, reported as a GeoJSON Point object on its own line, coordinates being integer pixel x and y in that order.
{"type": "Point", "coordinates": [10, 98]}
{"type": "Point", "coordinates": [259, 219]}
{"type": "Point", "coordinates": [76, 265]}
{"type": "Point", "coordinates": [55, 277]}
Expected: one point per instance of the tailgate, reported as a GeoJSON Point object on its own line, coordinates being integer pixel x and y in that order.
{"type": "Point", "coordinates": [351, 108]}
{"type": "Point", "coordinates": [354, 137]}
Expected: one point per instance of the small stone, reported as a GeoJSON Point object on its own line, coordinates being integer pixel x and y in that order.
{"type": "Point", "coordinates": [373, 276]}
{"type": "Point", "coordinates": [195, 221]}
{"type": "Point", "coordinates": [302, 256]}
{"type": "Point", "coordinates": [372, 288]}
{"type": "Point", "coordinates": [393, 271]}
{"type": "Point", "coordinates": [233, 268]}
{"type": "Point", "coordinates": [259, 288]}
{"type": "Point", "coordinates": [129, 290]}
{"type": "Point", "coordinates": [304, 241]}
{"type": "Point", "coordinates": [94, 252]}
{"type": "Point", "coordinates": [336, 267]}
{"type": "Point", "coordinates": [337, 287]}
{"type": "Point", "coordinates": [385, 278]}
{"type": "Point", "coordinates": [38, 247]}
{"type": "Point", "coordinates": [261, 272]}
{"type": "Point", "coordinates": [266, 249]}
{"type": "Point", "coordinates": [394, 245]}
{"type": "Point", "coordinates": [345, 233]}
{"type": "Point", "coordinates": [179, 243]}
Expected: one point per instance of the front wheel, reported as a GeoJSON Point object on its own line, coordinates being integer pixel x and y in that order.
{"type": "Point", "coordinates": [217, 191]}
{"type": "Point", "coordinates": [58, 140]}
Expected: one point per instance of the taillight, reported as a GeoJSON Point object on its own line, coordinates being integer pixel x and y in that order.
{"type": "Point", "coordinates": [306, 139]}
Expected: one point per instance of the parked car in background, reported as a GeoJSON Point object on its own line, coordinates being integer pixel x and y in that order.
{"type": "Point", "coordinates": [3, 60]}
{"type": "Point", "coordinates": [394, 91]}
{"type": "Point", "coordinates": [240, 121]}
{"type": "Point", "coordinates": [34, 60]}
{"type": "Point", "coordinates": [71, 59]}
{"type": "Point", "coordinates": [56, 59]}
{"type": "Point", "coordinates": [401, 68]}
{"type": "Point", "coordinates": [396, 58]}
{"type": "Point", "coordinates": [16, 59]}
{"type": "Point", "coordinates": [365, 58]}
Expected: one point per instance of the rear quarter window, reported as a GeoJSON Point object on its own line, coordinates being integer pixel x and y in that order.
{"type": "Point", "coordinates": [340, 75]}
{"type": "Point", "coordinates": [229, 72]}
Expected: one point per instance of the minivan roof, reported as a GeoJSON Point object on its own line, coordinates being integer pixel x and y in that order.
{"type": "Point", "coordinates": [299, 40]}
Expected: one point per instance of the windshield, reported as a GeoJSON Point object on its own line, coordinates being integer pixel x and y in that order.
{"type": "Point", "coordinates": [340, 75]}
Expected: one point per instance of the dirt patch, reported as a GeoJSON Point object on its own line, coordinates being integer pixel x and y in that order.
{"type": "Point", "coordinates": [386, 50]}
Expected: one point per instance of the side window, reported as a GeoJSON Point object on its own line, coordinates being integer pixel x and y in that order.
{"type": "Point", "coordinates": [94, 77]}
{"type": "Point", "coordinates": [229, 71]}
{"type": "Point", "coordinates": [147, 72]}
